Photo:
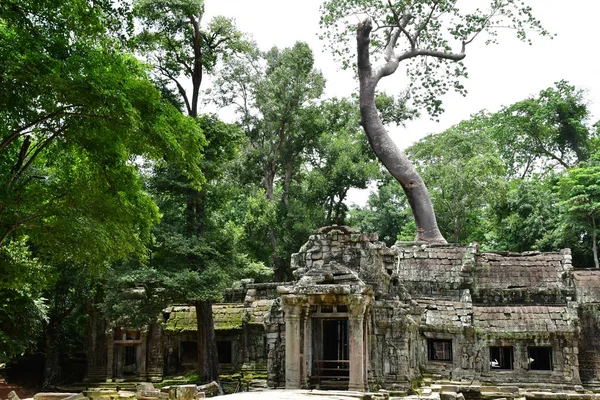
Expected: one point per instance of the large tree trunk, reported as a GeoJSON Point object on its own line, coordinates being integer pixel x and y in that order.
{"type": "Point", "coordinates": [595, 241]}
{"type": "Point", "coordinates": [208, 357]}
{"type": "Point", "coordinates": [52, 369]}
{"type": "Point", "coordinates": [386, 150]}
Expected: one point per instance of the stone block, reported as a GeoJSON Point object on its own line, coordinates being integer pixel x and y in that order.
{"type": "Point", "coordinates": [448, 395]}
{"type": "Point", "coordinates": [449, 388]}
{"type": "Point", "coordinates": [58, 396]}
{"type": "Point", "coordinates": [182, 392]}
{"type": "Point", "coordinates": [13, 396]}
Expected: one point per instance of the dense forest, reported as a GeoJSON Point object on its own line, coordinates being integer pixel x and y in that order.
{"type": "Point", "coordinates": [115, 178]}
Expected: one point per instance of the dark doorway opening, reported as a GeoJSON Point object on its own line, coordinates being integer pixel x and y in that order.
{"type": "Point", "coordinates": [501, 357]}
{"type": "Point", "coordinates": [331, 368]}
{"type": "Point", "coordinates": [540, 358]}
{"type": "Point", "coordinates": [224, 351]}
{"type": "Point", "coordinates": [130, 362]}
{"type": "Point", "coordinates": [189, 352]}
{"type": "Point", "coordinates": [335, 339]}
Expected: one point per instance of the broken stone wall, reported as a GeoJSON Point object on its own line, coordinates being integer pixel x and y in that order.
{"type": "Point", "coordinates": [527, 278]}
{"type": "Point", "coordinates": [587, 284]}
{"type": "Point", "coordinates": [440, 272]}
{"type": "Point", "coordinates": [393, 340]}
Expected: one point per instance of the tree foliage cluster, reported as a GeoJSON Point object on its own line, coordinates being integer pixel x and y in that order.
{"type": "Point", "coordinates": [520, 179]}
{"type": "Point", "coordinates": [118, 192]}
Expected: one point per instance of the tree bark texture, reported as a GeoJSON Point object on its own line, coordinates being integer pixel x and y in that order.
{"type": "Point", "coordinates": [52, 368]}
{"type": "Point", "coordinates": [395, 161]}
{"type": "Point", "coordinates": [595, 241]}
{"type": "Point", "coordinates": [208, 357]}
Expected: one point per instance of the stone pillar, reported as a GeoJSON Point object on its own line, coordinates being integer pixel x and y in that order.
{"type": "Point", "coordinates": [155, 355]}
{"type": "Point", "coordinates": [110, 353]}
{"type": "Point", "coordinates": [141, 356]}
{"type": "Point", "coordinates": [293, 349]}
{"type": "Point", "coordinates": [357, 343]}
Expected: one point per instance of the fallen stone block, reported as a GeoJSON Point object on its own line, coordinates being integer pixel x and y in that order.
{"type": "Point", "coordinates": [52, 396]}
{"type": "Point", "coordinates": [78, 396]}
{"type": "Point", "coordinates": [448, 395]}
{"type": "Point", "coordinates": [13, 396]}
{"type": "Point", "coordinates": [212, 388]}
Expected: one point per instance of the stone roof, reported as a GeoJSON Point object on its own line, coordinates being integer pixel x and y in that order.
{"type": "Point", "coordinates": [226, 316]}
{"type": "Point", "coordinates": [504, 270]}
{"type": "Point", "coordinates": [525, 319]}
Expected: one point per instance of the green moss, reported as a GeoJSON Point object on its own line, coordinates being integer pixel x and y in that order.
{"type": "Point", "coordinates": [416, 383]}
{"type": "Point", "coordinates": [182, 321]}
{"type": "Point", "coordinates": [229, 317]}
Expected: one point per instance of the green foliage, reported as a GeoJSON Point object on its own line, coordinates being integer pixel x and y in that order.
{"type": "Point", "coordinates": [177, 45]}
{"type": "Point", "coordinates": [545, 134]}
{"type": "Point", "coordinates": [340, 160]}
{"type": "Point", "coordinates": [73, 129]}
{"type": "Point", "coordinates": [386, 213]}
{"type": "Point", "coordinates": [22, 307]}
{"type": "Point", "coordinates": [526, 218]}
{"type": "Point", "coordinates": [580, 193]}
{"type": "Point", "coordinates": [78, 114]}
{"type": "Point", "coordinates": [466, 176]}
{"type": "Point", "coordinates": [196, 251]}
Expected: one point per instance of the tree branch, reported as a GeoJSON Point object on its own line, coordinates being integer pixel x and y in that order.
{"type": "Point", "coordinates": [180, 88]}
{"type": "Point", "coordinates": [421, 28]}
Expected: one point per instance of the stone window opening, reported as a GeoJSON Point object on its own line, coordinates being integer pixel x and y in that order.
{"type": "Point", "coordinates": [224, 350]}
{"type": "Point", "coordinates": [439, 349]}
{"type": "Point", "coordinates": [501, 357]}
{"type": "Point", "coordinates": [539, 358]}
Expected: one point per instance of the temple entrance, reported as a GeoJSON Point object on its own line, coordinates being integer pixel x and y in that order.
{"type": "Point", "coordinates": [126, 359]}
{"type": "Point", "coordinates": [331, 365]}
{"type": "Point", "coordinates": [335, 339]}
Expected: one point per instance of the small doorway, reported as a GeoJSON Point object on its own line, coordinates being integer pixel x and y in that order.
{"type": "Point", "coordinates": [335, 339]}
{"type": "Point", "coordinates": [331, 365]}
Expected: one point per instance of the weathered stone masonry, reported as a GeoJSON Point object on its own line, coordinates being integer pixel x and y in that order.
{"type": "Point", "coordinates": [365, 316]}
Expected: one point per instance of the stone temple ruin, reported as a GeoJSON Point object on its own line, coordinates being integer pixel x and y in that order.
{"type": "Point", "coordinates": [364, 316]}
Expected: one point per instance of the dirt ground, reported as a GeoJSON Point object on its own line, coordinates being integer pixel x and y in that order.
{"type": "Point", "coordinates": [22, 392]}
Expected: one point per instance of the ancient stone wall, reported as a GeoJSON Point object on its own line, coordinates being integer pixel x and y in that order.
{"type": "Point", "coordinates": [414, 310]}
{"type": "Point", "coordinates": [440, 272]}
{"type": "Point", "coordinates": [528, 278]}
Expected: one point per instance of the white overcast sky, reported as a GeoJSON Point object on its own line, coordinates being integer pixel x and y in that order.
{"type": "Point", "coordinates": [499, 75]}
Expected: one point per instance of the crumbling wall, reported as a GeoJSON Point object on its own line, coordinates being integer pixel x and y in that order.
{"type": "Point", "coordinates": [587, 284]}
{"type": "Point", "coordinates": [362, 253]}
{"type": "Point", "coordinates": [425, 271]}
{"type": "Point", "coordinates": [523, 278]}
{"type": "Point", "coordinates": [393, 339]}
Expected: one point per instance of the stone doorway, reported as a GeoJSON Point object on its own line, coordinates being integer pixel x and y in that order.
{"type": "Point", "coordinates": [335, 339]}
{"type": "Point", "coordinates": [331, 363]}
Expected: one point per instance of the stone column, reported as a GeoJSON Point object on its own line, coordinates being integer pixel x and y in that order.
{"type": "Point", "coordinates": [141, 356]}
{"type": "Point", "coordinates": [110, 353]}
{"type": "Point", "coordinates": [293, 363]}
{"type": "Point", "coordinates": [357, 343]}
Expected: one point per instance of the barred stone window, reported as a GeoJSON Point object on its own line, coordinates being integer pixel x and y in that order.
{"type": "Point", "coordinates": [439, 349]}
{"type": "Point", "coordinates": [540, 358]}
{"type": "Point", "coordinates": [501, 357]}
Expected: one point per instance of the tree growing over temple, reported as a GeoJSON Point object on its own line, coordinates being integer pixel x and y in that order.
{"type": "Point", "coordinates": [430, 37]}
